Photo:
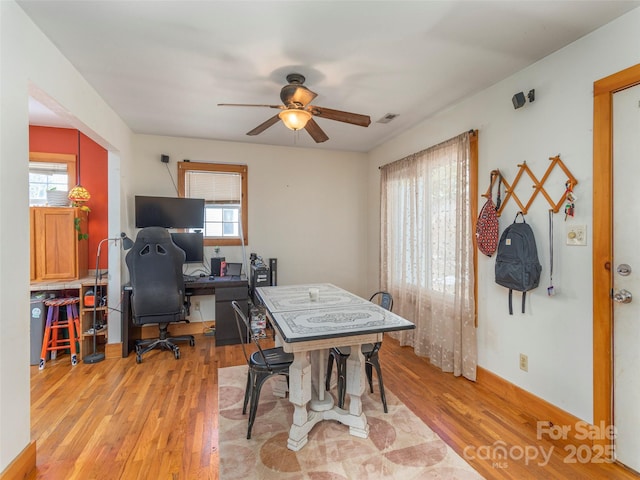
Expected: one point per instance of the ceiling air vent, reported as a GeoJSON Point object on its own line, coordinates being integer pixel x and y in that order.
{"type": "Point", "coordinates": [387, 118]}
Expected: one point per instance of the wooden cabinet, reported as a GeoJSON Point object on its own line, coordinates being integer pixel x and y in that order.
{"type": "Point", "coordinates": [90, 295]}
{"type": "Point", "coordinates": [56, 251]}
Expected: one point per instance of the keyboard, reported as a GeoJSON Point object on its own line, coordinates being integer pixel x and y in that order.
{"type": "Point", "coordinates": [189, 278]}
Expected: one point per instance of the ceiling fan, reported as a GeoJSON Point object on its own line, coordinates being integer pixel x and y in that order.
{"type": "Point", "coordinates": [297, 112]}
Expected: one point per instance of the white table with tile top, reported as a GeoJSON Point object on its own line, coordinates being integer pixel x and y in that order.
{"type": "Point", "coordinates": [308, 328]}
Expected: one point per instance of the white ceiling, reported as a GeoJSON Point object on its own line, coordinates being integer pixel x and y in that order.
{"type": "Point", "coordinates": [163, 66]}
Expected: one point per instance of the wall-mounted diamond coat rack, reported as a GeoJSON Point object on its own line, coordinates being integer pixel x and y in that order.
{"type": "Point", "coordinates": [538, 186]}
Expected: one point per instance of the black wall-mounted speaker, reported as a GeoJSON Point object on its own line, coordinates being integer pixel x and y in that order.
{"type": "Point", "coordinates": [518, 100]}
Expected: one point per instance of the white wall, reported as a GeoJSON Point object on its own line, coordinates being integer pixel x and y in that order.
{"type": "Point", "coordinates": [307, 208]}
{"type": "Point", "coordinates": [555, 332]}
{"type": "Point", "coordinates": [29, 63]}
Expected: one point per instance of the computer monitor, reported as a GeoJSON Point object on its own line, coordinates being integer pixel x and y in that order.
{"type": "Point", "coordinates": [169, 212]}
{"type": "Point", "coordinates": [192, 243]}
{"type": "Point", "coordinates": [233, 269]}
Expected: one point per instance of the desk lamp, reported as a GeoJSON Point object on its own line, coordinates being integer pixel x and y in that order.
{"type": "Point", "coordinates": [127, 243]}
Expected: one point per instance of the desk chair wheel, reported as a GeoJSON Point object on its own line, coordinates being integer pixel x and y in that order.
{"type": "Point", "coordinates": [192, 342]}
{"type": "Point", "coordinates": [176, 353]}
{"type": "Point", "coordinates": [138, 358]}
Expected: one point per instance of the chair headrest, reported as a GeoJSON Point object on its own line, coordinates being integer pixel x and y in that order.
{"type": "Point", "coordinates": [154, 235]}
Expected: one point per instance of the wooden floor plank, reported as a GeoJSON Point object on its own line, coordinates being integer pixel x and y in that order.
{"type": "Point", "coordinates": [120, 420]}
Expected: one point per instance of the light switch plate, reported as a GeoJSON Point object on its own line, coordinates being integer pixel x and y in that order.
{"type": "Point", "coordinates": [576, 235]}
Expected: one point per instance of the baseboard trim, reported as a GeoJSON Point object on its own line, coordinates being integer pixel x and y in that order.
{"type": "Point", "coordinates": [23, 466]}
{"type": "Point", "coordinates": [113, 350]}
{"type": "Point", "coordinates": [555, 425]}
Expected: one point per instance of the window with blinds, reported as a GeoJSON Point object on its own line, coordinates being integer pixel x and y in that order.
{"type": "Point", "coordinates": [224, 190]}
{"type": "Point", "coordinates": [49, 171]}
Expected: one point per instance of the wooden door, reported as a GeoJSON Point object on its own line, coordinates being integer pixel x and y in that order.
{"type": "Point", "coordinates": [604, 267]}
{"type": "Point", "coordinates": [626, 277]}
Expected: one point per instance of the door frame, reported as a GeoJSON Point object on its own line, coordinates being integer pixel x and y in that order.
{"type": "Point", "coordinates": [603, 91]}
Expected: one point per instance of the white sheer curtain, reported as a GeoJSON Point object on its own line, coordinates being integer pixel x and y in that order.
{"type": "Point", "coordinates": [426, 255]}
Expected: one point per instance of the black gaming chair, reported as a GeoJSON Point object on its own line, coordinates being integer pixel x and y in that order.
{"type": "Point", "coordinates": [157, 296]}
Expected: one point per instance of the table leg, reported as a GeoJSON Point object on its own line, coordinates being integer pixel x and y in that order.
{"type": "Point", "coordinates": [306, 386]}
{"type": "Point", "coordinates": [354, 418]}
{"type": "Point", "coordinates": [299, 396]}
{"type": "Point", "coordinates": [320, 399]}
{"type": "Point", "coordinates": [356, 382]}
{"type": "Point", "coordinates": [279, 386]}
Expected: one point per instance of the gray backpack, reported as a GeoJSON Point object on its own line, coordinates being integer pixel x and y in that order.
{"type": "Point", "coordinates": [517, 265]}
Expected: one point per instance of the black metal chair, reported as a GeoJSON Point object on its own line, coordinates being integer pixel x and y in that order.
{"type": "Point", "coordinates": [263, 364]}
{"type": "Point", "coordinates": [370, 352]}
{"type": "Point", "coordinates": [157, 288]}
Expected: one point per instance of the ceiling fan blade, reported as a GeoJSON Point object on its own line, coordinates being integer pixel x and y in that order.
{"type": "Point", "coordinates": [281, 107]}
{"type": "Point", "coordinates": [315, 131]}
{"type": "Point", "coordinates": [297, 95]}
{"type": "Point", "coordinates": [264, 125]}
{"type": "Point", "coordinates": [340, 116]}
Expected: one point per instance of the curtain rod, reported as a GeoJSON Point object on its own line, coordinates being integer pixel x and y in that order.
{"type": "Point", "coordinates": [470, 132]}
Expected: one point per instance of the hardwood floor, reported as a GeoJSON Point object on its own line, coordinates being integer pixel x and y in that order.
{"type": "Point", "coordinates": [158, 420]}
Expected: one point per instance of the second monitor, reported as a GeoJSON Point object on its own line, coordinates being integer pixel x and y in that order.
{"type": "Point", "coordinates": [192, 243]}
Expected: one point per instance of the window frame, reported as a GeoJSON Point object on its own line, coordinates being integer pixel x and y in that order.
{"type": "Point", "coordinates": [242, 170]}
{"type": "Point", "coordinates": [66, 158]}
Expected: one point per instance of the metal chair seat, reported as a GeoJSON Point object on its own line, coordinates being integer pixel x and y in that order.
{"type": "Point", "coordinates": [276, 359]}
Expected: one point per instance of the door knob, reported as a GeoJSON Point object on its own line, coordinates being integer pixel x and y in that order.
{"type": "Point", "coordinates": [623, 296]}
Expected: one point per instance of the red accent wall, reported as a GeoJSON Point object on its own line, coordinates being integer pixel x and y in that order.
{"type": "Point", "coordinates": [93, 171]}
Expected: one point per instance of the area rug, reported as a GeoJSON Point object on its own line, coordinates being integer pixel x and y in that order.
{"type": "Point", "coordinates": [400, 445]}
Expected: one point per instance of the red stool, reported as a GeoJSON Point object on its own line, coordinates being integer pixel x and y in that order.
{"type": "Point", "coordinates": [51, 341]}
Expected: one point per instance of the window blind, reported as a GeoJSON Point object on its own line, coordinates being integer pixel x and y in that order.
{"type": "Point", "coordinates": [46, 168]}
{"type": "Point", "coordinates": [214, 187]}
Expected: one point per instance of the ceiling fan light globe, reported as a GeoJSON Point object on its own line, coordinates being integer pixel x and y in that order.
{"type": "Point", "coordinates": [294, 119]}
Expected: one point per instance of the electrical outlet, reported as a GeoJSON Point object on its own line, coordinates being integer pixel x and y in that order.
{"type": "Point", "coordinates": [196, 306]}
{"type": "Point", "coordinates": [576, 234]}
{"type": "Point", "coordinates": [524, 362]}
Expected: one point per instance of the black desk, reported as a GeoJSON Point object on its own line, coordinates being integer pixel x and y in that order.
{"type": "Point", "coordinates": [226, 289]}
